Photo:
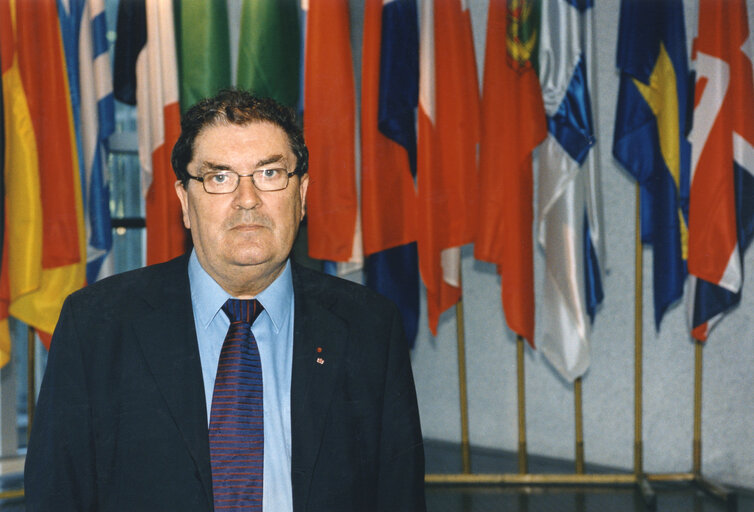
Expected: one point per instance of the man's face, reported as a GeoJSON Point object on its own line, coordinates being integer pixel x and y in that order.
{"type": "Point", "coordinates": [242, 239]}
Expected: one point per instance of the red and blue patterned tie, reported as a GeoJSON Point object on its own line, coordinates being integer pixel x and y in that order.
{"type": "Point", "coordinates": [236, 426]}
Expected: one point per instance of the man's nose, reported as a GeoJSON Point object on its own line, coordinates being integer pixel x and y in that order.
{"type": "Point", "coordinates": [247, 195]}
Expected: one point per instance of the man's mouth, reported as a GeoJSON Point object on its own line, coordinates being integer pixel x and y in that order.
{"type": "Point", "coordinates": [247, 227]}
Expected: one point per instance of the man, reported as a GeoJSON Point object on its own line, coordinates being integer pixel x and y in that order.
{"type": "Point", "coordinates": [131, 413]}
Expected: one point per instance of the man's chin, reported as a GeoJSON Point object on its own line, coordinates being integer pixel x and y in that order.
{"type": "Point", "coordinates": [256, 262]}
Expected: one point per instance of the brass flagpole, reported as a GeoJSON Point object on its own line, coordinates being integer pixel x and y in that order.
{"type": "Point", "coordinates": [697, 448]}
{"type": "Point", "coordinates": [465, 450]}
{"type": "Point", "coordinates": [713, 488]}
{"type": "Point", "coordinates": [648, 494]}
{"type": "Point", "coordinates": [523, 467]}
{"type": "Point", "coordinates": [579, 426]}
{"type": "Point", "coordinates": [638, 461]}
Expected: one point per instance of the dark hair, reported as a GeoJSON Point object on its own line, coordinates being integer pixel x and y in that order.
{"type": "Point", "coordinates": [231, 106]}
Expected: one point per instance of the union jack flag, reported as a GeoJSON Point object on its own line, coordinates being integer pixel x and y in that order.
{"type": "Point", "coordinates": [721, 210]}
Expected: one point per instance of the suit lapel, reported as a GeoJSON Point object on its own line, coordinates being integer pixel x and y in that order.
{"type": "Point", "coordinates": [167, 337]}
{"type": "Point", "coordinates": [319, 343]}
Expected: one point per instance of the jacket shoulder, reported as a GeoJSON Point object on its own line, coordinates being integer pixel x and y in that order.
{"type": "Point", "coordinates": [126, 286]}
{"type": "Point", "coordinates": [339, 293]}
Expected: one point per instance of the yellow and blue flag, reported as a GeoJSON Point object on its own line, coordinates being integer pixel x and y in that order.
{"type": "Point", "coordinates": [649, 140]}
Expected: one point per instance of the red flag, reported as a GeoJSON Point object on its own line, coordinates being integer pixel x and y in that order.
{"type": "Point", "coordinates": [720, 214]}
{"type": "Point", "coordinates": [513, 124]}
{"type": "Point", "coordinates": [388, 220]}
{"type": "Point", "coordinates": [447, 150]}
{"type": "Point", "coordinates": [40, 47]}
{"type": "Point", "coordinates": [159, 117]}
{"type": "Point", "coordinates": [329, 128]}
{"type": "Point", "coordinates": [45, 224]}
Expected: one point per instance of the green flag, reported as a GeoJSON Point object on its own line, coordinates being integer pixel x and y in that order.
{"type": "Point", "coordinates": [203, 49]}
{"type": "Point", "coordinates": [269, 49]}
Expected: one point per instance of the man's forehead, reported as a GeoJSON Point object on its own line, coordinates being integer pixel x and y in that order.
{"type": "Point", "coordinates": [265, 129]}
{"type": "Point", "coordinates": [262, 142]}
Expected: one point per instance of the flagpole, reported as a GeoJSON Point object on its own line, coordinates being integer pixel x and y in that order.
{"type": "Point", "coordinates": [522, 459]}
{"type": "Point", "coordinates": [648, 494]}
{"type": "Point", "coordinates": [708, 486]}
{"type": "Point", "coordinates": [638, 463]}
{"type": "Point", "coordinates": [31, 379]}
{"type": "Point", "coordinates": [697, 449]}
{"type": "Point", "coordinates": [465, 451]}
{"type": "Point", "coordinates": [579, 426]}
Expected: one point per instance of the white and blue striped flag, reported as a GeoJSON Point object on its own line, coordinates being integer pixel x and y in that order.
{"type": "Point", "coordinates": [568, 203]}
{"type": "Point", "coordinates": [84, 32]}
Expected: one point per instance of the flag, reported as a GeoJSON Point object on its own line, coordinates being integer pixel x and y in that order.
{"type": "Point", "coordinates": [649, 139]}
{"type": "Point", "coordinates": [721, 210]}
{"type": "Point", "coordinates": [513, 124]}
{"type": "Point", "coordinates": [2, 164]}
{"type": "Point", "coordinates": [148, 75]}
{"type": "Point", "coordinates": [330, 131]}
{"type": "Point", "coordinates": [45, 244]}
{"type": "Point", "coordinates": [568, 202]}
{"type": "Point", "coordinates": [203, 45]}
{"type": "Point", "coordinates": [269, 50]}
{"type": "Point", "coordinates": [448, 133]}
{"type": "Point", "coordinates": [389, 97]}
{"type": "Point", "coordinates": [129, 43]}
{"type": "Point", "coordinates": [6, 70]}
{"type": "Point", "coordinates": [98, 123]}
{"type": "Point", "coordinates": [84, 32]}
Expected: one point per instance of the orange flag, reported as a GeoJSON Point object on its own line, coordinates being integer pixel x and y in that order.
{"type": "Point", "coordinates": [329, 128]}
{"type": "Point", "coordinates": [721, 217]}
{"type": "Point", "coordinates": [388, 220]}
{"type": "Point", "coordinates": [513, 124]}
{"type": "Point", "coordinates": [447, 149]}
{"type": "Point", "coordinates": [159, 121]}
{"type": "Point", "coordinates": [45, 225]}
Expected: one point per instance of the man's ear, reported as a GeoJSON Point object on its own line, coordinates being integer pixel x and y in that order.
{"type": "Point", "coordinates": [182, 194]}
{"type": "Point", "coordinates": [303, 186]}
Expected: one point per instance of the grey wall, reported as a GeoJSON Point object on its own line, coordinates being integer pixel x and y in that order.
{"type": "Point", "coordinates": [608, 390]}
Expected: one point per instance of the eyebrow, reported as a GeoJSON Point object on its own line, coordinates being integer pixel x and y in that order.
{"type": "Point", "coordinates": [270, 160]}
{"type": "Point", "coordinates": [212, 166]}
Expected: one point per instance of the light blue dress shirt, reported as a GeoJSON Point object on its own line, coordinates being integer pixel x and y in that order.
{"type": "Point", "coordinates": [273, 330]}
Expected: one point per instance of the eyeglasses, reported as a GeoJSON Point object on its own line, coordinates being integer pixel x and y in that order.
{"type": "Point", "coordinates": [225, 182]}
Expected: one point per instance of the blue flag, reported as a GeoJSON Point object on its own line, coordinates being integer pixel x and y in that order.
{"type": "Point", "coordinates": [650, 126]}
{"type": "Point", "coordinates": [84, 31]}
{"type": "Point", "coordinates": [393, 269]}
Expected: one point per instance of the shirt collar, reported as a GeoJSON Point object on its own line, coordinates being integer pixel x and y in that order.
{"type": "Point", "coordinates": [208, 297]}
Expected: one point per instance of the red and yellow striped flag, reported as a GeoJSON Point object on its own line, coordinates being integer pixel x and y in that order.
{"type": "Point", "coordinates": [45, 244]}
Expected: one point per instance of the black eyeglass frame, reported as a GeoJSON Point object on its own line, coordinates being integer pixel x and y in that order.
{"type": "Point", "coordinates": [200, 179]}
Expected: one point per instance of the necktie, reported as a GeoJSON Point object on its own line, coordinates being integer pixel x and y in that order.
{"type": "Point", "coordinates": [236, 427]}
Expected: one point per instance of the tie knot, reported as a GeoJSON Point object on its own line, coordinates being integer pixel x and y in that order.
{"type": "Point", "coordinates": [242, 310]}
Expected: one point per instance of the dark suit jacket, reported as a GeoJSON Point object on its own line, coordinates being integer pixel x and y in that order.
{"type": "Point", "coordinates": [121, 421]}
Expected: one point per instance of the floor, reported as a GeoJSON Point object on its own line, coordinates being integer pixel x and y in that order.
{"type": "Point", "coordinates": [445, 458]}
{"type": "Point", "coordinates": [669, 499]}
